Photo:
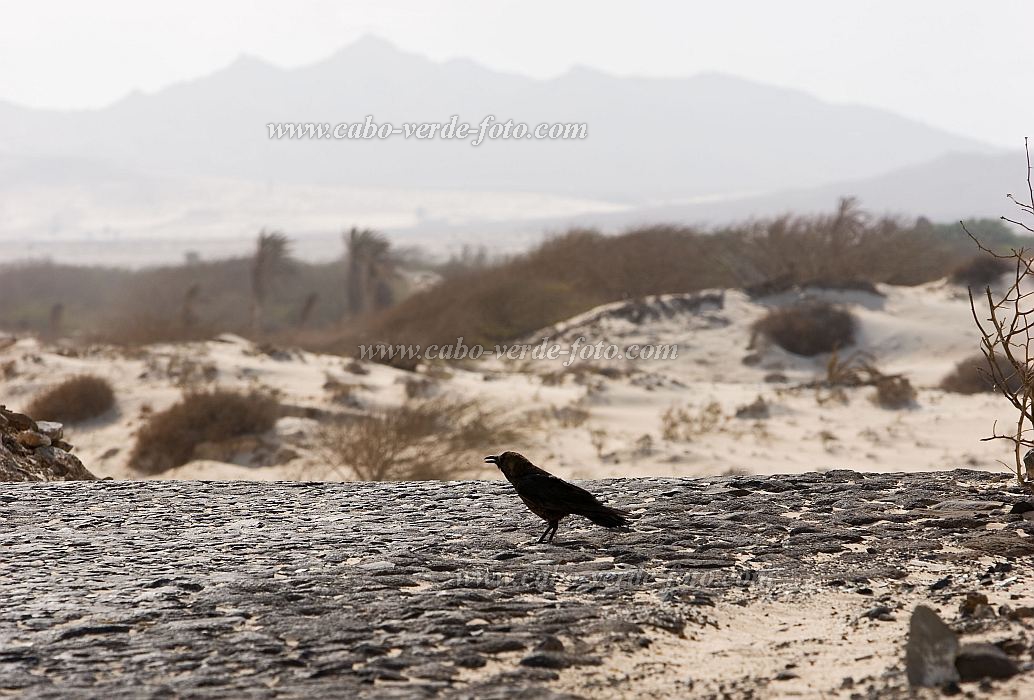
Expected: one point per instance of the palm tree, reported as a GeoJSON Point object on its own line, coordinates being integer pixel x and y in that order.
{"type": "Point", "coordinates": [371, 268]}
{"type": "Point", "coordinates": [272, 260]}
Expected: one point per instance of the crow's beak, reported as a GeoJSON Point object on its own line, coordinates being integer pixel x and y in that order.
{"type": "Point", "coordinates": [492, 459]}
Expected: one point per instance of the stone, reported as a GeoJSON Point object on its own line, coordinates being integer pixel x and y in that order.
{"type": "Point", "coordinates": [975, 605]}
{"type": "Point", "coordinates": [930, 651]}
{"type": "Point", "coordinates": [27, 454]}
{"type": "Point", "coordinates": [977, 661]}
{"type": "Point", "coordinates": [550, 643]}
{"type": "Point", "coordinates": [52, 429]}
{"type": "Point", "coordinates": [1002, 545]}
{"type": "Point", "coordinates": [546, 659]}
{"type": "Point", "coordinates": [30, 438]}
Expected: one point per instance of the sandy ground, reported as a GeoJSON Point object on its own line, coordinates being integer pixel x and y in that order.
{"type": "Point", "coordinates": [816, 644]}
{"type": "Point", "coordinates": [587, 424]}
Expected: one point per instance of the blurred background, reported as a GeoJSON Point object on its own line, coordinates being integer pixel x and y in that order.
{"type": "Point", "coordinates": [799, 153]}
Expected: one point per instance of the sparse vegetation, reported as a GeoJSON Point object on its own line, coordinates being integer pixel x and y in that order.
{"type": "Point", "coordinates": [598, 439]}
{"type": "Point", "coordinates": [442, 438]}
{"type": "Point", "coordinates": [485, 301]}
{"type": "Point", "coordinates": [170, 437]}
{"type": "Point", "coordinates": [1006, 334]}
{"type": "Point", "coordinates": [569, 416]}
{"type": "Point", "coordinates": [971, 376]}
{"type": "Point", "coordinates": [343, 393]}
{"type": "Point", "coordinates": [808, 328]}
{"type": "Point", "coordinates": [894, 393]}
{"type": "Point", "coordinates": [681, 423]}
{"type": "Point", "coordinates": [980, 271]}
{"type": "Point", "coordinates": [756, 410]}
{"type": "Point", "coordinates": [74, 400]}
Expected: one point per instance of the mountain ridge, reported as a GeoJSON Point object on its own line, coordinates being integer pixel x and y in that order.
{"type": "Point", "coordinates": [648, 138]}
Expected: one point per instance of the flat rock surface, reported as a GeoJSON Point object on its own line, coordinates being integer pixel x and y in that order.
{"type": "Point", "coordinates": [429, 589]}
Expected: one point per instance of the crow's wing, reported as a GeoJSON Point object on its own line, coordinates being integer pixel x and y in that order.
{"type": "Point", "coordinates": [556, 494]}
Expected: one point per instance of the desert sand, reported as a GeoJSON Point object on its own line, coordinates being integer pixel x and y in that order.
{"type": "Point", "coordinates": [593, 419]}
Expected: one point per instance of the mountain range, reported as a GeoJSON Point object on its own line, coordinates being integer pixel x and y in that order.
{"type": "Point", "coordinates": [705, 147]}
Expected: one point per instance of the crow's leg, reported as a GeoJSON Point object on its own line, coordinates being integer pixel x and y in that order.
{"type": "Point", "coordinates": [555, 525]}
{"type": "Point", "coordinates": [549, 526]}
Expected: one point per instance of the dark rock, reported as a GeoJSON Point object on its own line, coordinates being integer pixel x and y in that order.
{"type": "Point", "coordinates": [550, 643]}
{"type": "Point", "coordinates": [470, 661]}
{"type": "Point", "coordinates": [881, 613]}
{"type": "Point", "coordinates": [1002, 545]}
{"type": "Point", "coordinates": [545, 659]}
{"type": "Point", "coordinates": [499, 646]}
{"type": "Point", "coordinates": [975, 605]}
{"type": "Point", "coordinates": [977, 661]}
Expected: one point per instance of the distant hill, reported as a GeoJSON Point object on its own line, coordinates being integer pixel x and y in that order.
{"type": "Point", "coordinates": [191, 167]}
{"type": "Point", "coordinates": [951, 187]}
{"type": "Point", "coordinates": [649, 139]}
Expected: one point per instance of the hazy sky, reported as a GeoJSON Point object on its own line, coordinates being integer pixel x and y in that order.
{"type": "Point", "coordinates": [962, 65]}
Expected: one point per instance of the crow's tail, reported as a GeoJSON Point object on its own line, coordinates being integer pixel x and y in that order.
{"type": "Point", "coordinates": [607, 517]}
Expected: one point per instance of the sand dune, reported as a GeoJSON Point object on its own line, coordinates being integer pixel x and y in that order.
{"type": "Point", "coordinates": [598, 418]}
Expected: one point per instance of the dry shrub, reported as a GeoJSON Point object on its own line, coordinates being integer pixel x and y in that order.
{"type": "Point", "coordinates": [138, 328]}
{"type": "Point", "coordinates": [980, 271]}
{"type": "Point", "coordinates": [809, 328]}
{"type": "Point", "coordinates": [443, 438]}
{"type": "Point", "coordinates": [169, 437]}
{"type": "Point", "coordinates": [683, 424]}
{"type": "Point", "coordinates": [356, 367]}
{"type": "Point", "coordinates": [74, 400]}
{"type": "Point", "coordinates": [894, 393]}
{"type": "Point", "coordinates": [758, 410]}
{"type": "Point", "coordinates": [343, 393]}
{"type": "Point", "coordinates": [418, 388]}
{"type": "Point", "coordinates": [971, 376]}
{"type": "Point", "coordinates": [186, 369]}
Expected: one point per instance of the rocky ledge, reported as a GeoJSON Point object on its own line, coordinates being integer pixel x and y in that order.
{"type": "Point", "coordinates": [429, 589]}
{"type": "Point", "coordinates": [35, 451]}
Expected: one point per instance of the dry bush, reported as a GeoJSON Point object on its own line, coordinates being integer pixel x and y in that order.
{"type": "Point", "coordinates": [894, 393]}
{"type": "Point", "coordinates": [356, 367]}
{"type": "Point", "coordinates": [757, 410]}
{"type": "Point", "coordinates": [74, 400]}
{"type": "Point", "coordinates": [138, 328]}
{"type": "Point", "coordinates": [419, 388]}
{"type": "Point", "coordinates": [854, 370]}
{"type": "Point", "coordinates": [569, 416]}
{"type": "Point", "coordinates": [980, 271]}
{"type": "Point", "coordinates": [585, 374]}
{"type": "Point", "coordinates": [186, 370]}
{"type": "Point", "coordinates": [343, 393]}
{"type": "Point", "coordinates": [1006, 337]}
{"type": "Point", "coordinates": [809, 328]}
{"type": "Point", "coordinates": [848, 249]}
{"type": "Point", "coordinates": [598, 440]}
{"type": "Point", "coordinates": [685, 425]}
{"type": "Point", "coordinates": [442, 438]}
{"type": "Point", "coordinates": [970, 376]}
{"type": "Point", "coordinates": [169, 438]}
{"type": "Point", "coordinates": [857, 370]}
